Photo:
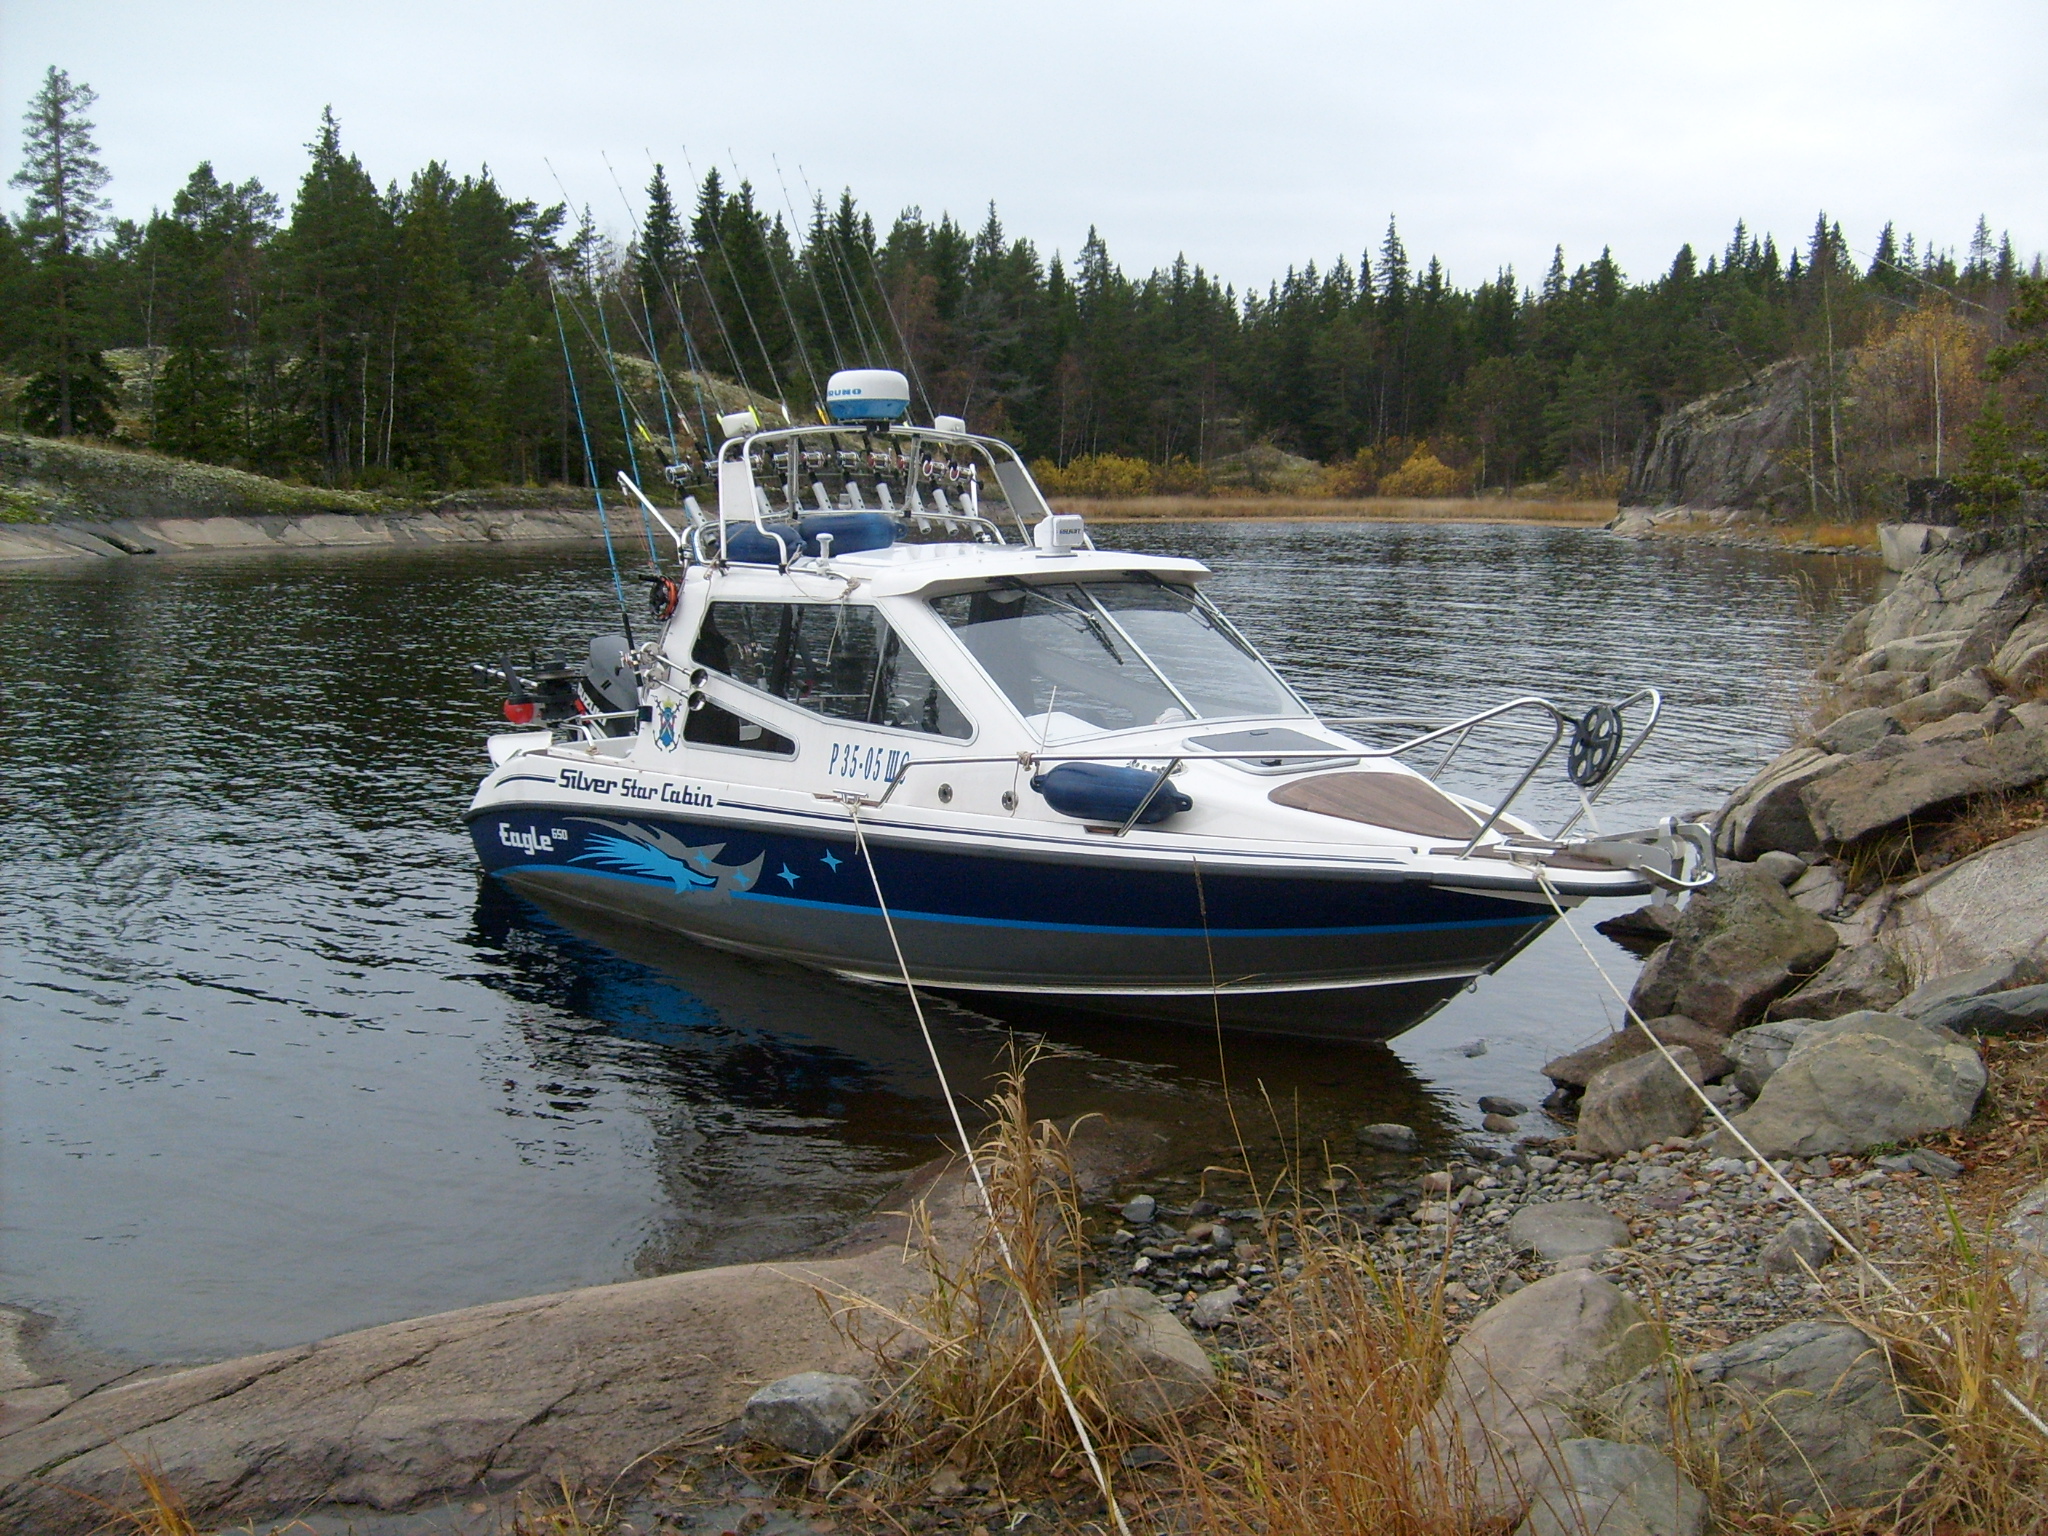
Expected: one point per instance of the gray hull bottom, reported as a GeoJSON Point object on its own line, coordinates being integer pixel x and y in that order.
{"type": "Point", "coordinates": [1340, 987]}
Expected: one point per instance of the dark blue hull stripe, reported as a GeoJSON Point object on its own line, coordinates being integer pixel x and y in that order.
{"type": "Point", "coordinates": [1045, 927]}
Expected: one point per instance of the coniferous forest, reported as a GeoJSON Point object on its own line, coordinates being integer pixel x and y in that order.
{"type": "Point", "coordinates": [439, 331]}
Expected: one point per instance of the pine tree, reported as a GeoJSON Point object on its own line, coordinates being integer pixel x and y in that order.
{"type": "Point", "coordinates": [73, 390]}
{"type": "Point", "coordinates": [336, 261]}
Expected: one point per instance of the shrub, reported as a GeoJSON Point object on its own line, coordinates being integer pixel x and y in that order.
{"type": "Point", "coordinates": [1423, 475]}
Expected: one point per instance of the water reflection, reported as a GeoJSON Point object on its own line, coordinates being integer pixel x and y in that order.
{"type": "Point", "coordinates": [277, 1065]}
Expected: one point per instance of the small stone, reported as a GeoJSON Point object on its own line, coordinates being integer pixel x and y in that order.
{"type": "Point", "coordinates": [1540, 1162]}
{"type": "Point", "coordinates": [1216, 1308]}
{"type": "Point", "coordinates": [1202, 1208]}
{"type": "Point", "coordinates": [1781, 866]}
{"type": "Point", "coordinates": [1472, 1048]}
{"type": "Point", "coordinates": [1438, 1182]}
{"type": "Point", "coordinates": [1389, 1137]}
{"type": "Point", "coordinates": [1151, 1365]}
{"type": "Point", "coordinates": [1221, 1238]}
{"type": "Point", "coordinates": [1495, 1104]}
{"type": "Point", "coordinates": [1566, 1229]}
{"type": "Point", "coordinates": [1936, 1165]}
{"type": "Point", "coordinates": [1804, 1244]}
{"type": "Point", "coordinates": [807, 1414]}
{"type": "Point", "coordinates": [1140, 1209]}
{"type": "Point", "coordinates": [1501, 1125]}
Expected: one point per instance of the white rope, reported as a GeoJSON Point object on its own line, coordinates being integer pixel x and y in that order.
{"type": "Point", "coordinates": [1798, 1196]}
{"type": "Point", "coordinates": [981, 1184]}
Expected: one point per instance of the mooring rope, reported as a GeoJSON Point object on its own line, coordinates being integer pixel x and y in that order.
{"type": "Point", "coordinates": [1798, 1196]}
{"type": "Point", "coordinates": [1045, 1348]}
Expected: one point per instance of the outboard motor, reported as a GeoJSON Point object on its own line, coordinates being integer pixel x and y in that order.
{"type": "Point", "coordinates": [609, 678]}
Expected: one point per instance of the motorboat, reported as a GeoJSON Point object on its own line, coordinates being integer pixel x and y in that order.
{"type": "Point", "coordinates": [897, 719]}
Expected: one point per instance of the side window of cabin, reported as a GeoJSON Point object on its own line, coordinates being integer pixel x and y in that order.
{"type": "Point", "coordinates": [713, 726]}
{"type": "Point", "coordinates": [841, 660]}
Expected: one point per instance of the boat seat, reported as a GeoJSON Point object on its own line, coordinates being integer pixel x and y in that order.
{"type": "Point", "coordinates": [1391, 800]}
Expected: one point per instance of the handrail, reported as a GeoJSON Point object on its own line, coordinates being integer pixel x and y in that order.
{"type": "Point", "coordinates": [1461, 728]}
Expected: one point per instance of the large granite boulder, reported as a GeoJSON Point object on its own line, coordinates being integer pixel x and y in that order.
{"type": "Point", "coordinates": [1861, 1080]}
{"type": "Point", "coordinates": [1633, 1103]}
{"type": "Point", "coordinates": [1741, 944]}
{"type": "Point", "coordinates": [1767, 813]}
{"type": "Point", "coordinates": [1605, 1488]}
{"type": "Point", "coordinates": [1963, 695]}
{"type": "Point", "coordinates": [1515, 1378]}
{"type": "Point", "coordinates": [1806, 1417]}
{"type": "Point", "coordinates": [1873, 796]}
{"type": "Point", "coordinates": [2019, 1011]}
{"type": "Point", "coordinates": [1986, 908]}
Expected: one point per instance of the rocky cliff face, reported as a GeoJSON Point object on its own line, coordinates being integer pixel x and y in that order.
{"type": "Point", "coordinates": [1727, 449]}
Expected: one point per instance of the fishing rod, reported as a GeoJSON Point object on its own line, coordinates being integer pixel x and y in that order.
{"type": "Point", "coordinates": [840, 267]}
{"type": "Point", "coordinates": [811, 269]}
{"type": "Point", "coordinates": [902, 341]}
{"type": "Point", "coordinates": [682, 325]}
{"type": "Point", "coordinates": [711, 302]}
{"type": "Point", "coordinates": [739, 290]}
{"type": "Point", "coordinates": [590, 461]}
{"type": "Point", "coordinates": [796, 330]}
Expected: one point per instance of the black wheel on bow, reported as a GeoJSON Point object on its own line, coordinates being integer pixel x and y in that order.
{"type": "Point", "coordinates": [1596, 746]}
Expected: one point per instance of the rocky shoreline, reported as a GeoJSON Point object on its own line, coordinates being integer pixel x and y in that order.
{"type": "Point", "coordinates": [116, 538]}
{"type": "Point", "coordinates": [1629, 1308]}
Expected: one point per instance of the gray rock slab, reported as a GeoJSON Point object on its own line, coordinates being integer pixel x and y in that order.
{"type": "Point", "coordinates": [580, 1382]}
{"type": "Point", "coordinates": [1768, 813]}
{"type": "Point", "coordinates": [1966, 694]}
{"type": "Point", "coordinates": [1576, 1069]}
{"type": "Point", "coordinates": [1808, 1416]}
{"type": "Point", "coordinates": [1820, 890]}
{"type": "Point", "coordinates": [1741, 944]}
{"type": "Point", "coordinates": [1635, 1102]}
{"type": "Point", "coordinates": [1149, 1366]}
{"type": "Point", "coordinates": [807, 1414]}
{"type": "Point", "coordinates": [1973, 725]}
{"type": "Point", "coordinates": [1605, 1488]}
{"type": "Point", "coordinates": [1868, 797]}
{"type": "Point", "coordinates": [1856, 977]}
{"type": "Point", "coordinates": [1856, 1082]}
{"type": "Point", "coordinates": [1566, 1229]}
{"type": "Point", "coordinates": [2000, 975]}
{"type": "Point", "coordinates": [2022, 1010]}
{"type": "Point", "coordinates": [1499, 1104]}
{"type": "Point", "coordinates": [1986, 908]}
{"type": "Point", "coordinates": [1857, 731]}
{"type": "Point", "coordinates": [1140, 1209]}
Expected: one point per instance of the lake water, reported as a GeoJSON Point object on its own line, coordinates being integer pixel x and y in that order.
{"type": "Point", "coordinates": [278, 1063]}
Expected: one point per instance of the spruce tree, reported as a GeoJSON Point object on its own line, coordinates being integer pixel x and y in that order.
{"type": "Point", "coordinates": [73, 390]}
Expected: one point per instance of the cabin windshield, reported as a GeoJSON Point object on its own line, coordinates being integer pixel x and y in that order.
{"type": "Point", "coordinates": [1079, 658]}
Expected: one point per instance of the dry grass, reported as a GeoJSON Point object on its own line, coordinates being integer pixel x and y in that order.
{"type": "Point", "coordinates": [1830, 535]}
{"type": "Point", "coordinates": [1921, 847]}
{"type": "Point", "coordinates": [1377, 509]}
{"type": "Point", "coordinates": [981, 1396]}
{"type": "Point", "coordinates": [1313, 1437]}
{"type": "Point", "coordinates": [561, 1511]}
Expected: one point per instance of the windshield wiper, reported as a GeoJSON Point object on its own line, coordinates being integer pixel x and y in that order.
{"type": "Point", "coordinates": [1094, 625]}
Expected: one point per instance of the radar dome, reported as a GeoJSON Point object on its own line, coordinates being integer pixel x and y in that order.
{"type": "Point", "coordinates": [867, 394]}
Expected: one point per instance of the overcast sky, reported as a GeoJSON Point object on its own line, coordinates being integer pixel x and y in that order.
{"type": "Point", "coordinates": [1249, 136]}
